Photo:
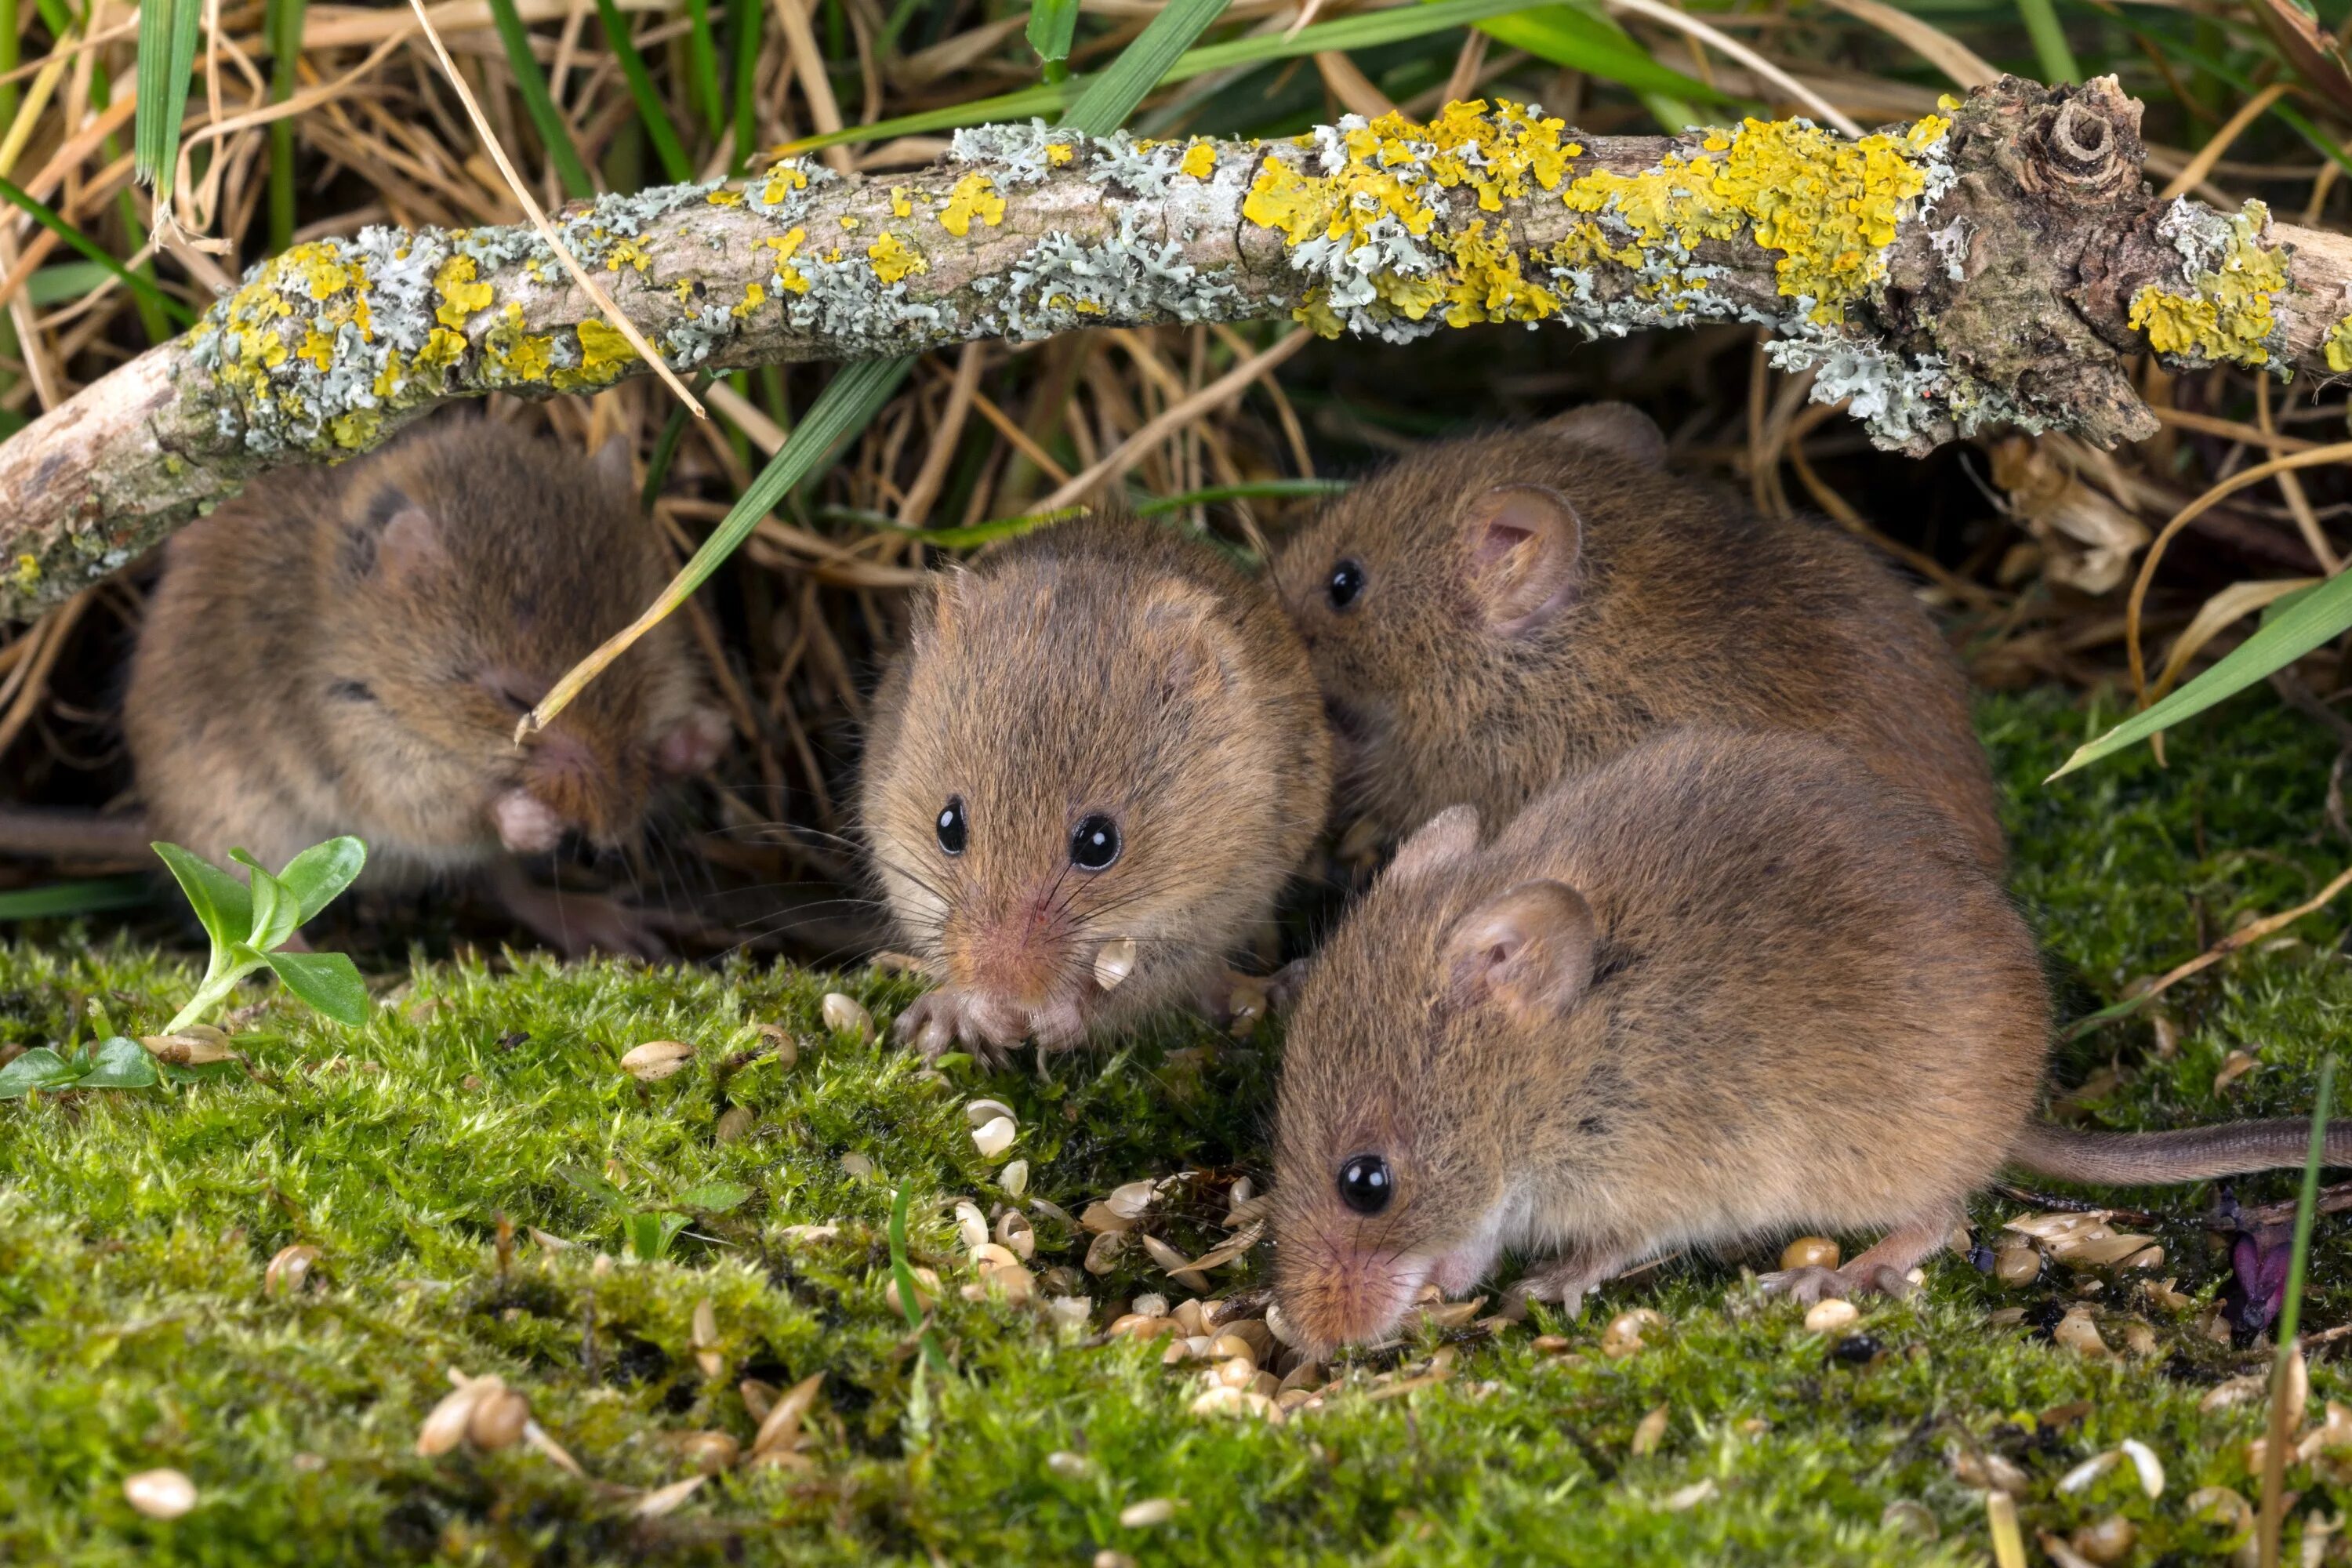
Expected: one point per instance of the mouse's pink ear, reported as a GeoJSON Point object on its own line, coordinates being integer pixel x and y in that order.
{"type": "Point", "coordinates": [1619, 429]}
{"type": "Point", "coordinates": [1524, 542]}
{"type": "Point", "coordinates": [1529, 950]}
{"type": "Point", "coordinates": [1452, 835]}
{"type": "Point", "coordinates": [932, 611]}
{"type": "Point", "coordinates": [397, 542]}
{"type": "Point", "coordinates": [694, 743]}
{"type": "Point", "coordinates": [1179, 623]}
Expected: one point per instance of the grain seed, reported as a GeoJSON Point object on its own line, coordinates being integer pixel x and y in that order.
{"type": "Point", "coordinates": [1809, 1252]}
{"type": "Point", "coordinates": [497, 1420]}
{"type": "Point", "coordinates": [656, 1059]}
{"type": "Point", "coordinates": [995, 1138]}
{"type": "Point", "coordinates": [981, 1113]}
{"type": "Point", "coordinates": [711, 1452]}
{"type": "Point", "coordinates": [971, 1224]}
{"type": "Point", "coordinates": [160, 1494]}
{"type": "Point", "coordinates": [1649, 1432]}
{"type": "Point", "coordinates": [1149, 1512]}
{"type": "Point", "coordinates": [288, 1271]}
{"type": "Point", "coordinates": [1114, 962]}
{"type": "Point", "coordinates": [2107, 1541]}
{"type": "Point", "coordinates": [844, 1016]}
{"type": "Point", "coordinates": [1130, 1200]}
{"type": "Point", "coordinates": [782, 1428]}
{"type": "Point", "coordinates": [1014, 1178]}
{"type": "Point", "coordinates": [1622, 1337]}
{"type": "Point", "coordinates": [1102, 1253]}
{"type": "Point", "coordinates": [734, 1123]}
{"type": "Point", "coordinates": [662, 1499]}
{"type": "Point", "coordinates": [1014, 1229]}
{"type": "Point", "coordinates": [1830, 1316]}
{"type": "Point", "coordinates": [1068, 1466]}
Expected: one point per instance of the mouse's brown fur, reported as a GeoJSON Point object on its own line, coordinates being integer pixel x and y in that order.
{"type": "Point", "coordinates": [348, 650]}
{"type": "Point", "coordinates": [1537, 600]}
{"type": "Point", "coordinates": [1718, 987]}
{"type": "Point", "coordinates": [1103, 666]}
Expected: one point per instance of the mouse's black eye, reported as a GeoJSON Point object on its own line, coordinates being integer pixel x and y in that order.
{"type": "Point", "coordinates": [1365, 1185]}
{"type": "Point", "coordinates": [1095, 844]}
{"type": "Point", "coordinates": [1345, 585]}
{"type": "Point", "coordinates": [951, 826]}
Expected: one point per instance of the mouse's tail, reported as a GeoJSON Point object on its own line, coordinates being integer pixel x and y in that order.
{"type": "Point", "coordinates": [63, 834]}
{"type": "Point", "coordinates": [2189, 1154]}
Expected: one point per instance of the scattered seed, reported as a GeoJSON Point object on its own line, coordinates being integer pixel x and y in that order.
{"type": "Point", "coordinates": [2235, 1066]}
{"type": "Point", "coordinates": [1912, 1518]}
{"type": "Point", "coordinates": [2075, 1332]}
{"type": "Point", "coordinates": [734, 1123]}
{"type": "Point", "coordinates": [2163, 1295]}
{"type": "Point", "coordinates": [1014, 1178]}
{"type": "Point", "coordinates": [844, 1016]}
{"type": "Point", "coordinates": [1227, 1346]}
{"type": "Point", "coordinates": [160, 1494]}
{"type": "Point", "coordinates": [446, 1425]}
{"type": "Point", "coordinates": [288, 1271]}
{"type": "Point", "coordinates": [1622, 1337]}
{"type": "Point", "coordinates": [1554, 1344]}
{"type": "Point", "coordinates": [1232, 1246]}
{"type": "Point", "coordinates": [1114, 962]}
{"type": "Point", "coordinates": [1166, 1256]}
{"type": "Point", "coordinates": [2008, 1542]}
{"type": "Point", "coordinates": [1101, 1220]}
{"type": "Point", "coordinates": [1688, 1498]}
{"type": "Point", "coordinates": [981, 1113]}
{"type": "Point", "coordinates": [2107, 1541]}
{"type": "Point", "coordinates": [2150, 1467]}
{"type": "Point", "coordinates": [662, 1499]}
{"type": "Point", "coordinates": [1239, 1192]}
{"type": "Point", "coordinates": [1102, 1253]}
{"type": "Point", "coordinates": [1014, 1229]}
{"type": "Point", "coordinates": [1070, 1311]}
{"type": "Point", "coordinates": [1984, 1469]}
{"type": "Point", "coordinates": [2141, 1340]}
{"type": "Point", "coordinates": [995, 1138]}
{"type": "Point", "coordinates": [2098, 1251]}
{"type": "Point", "coordinates": [1068, 1466]}
{"type": "Point", "coordinates": [2017, 1265]}
{"type": "Point", "coordinates": [497, 1420]}
{"type": "Point", "coordinates": [758, 1397]}
{"type": "Point", "coordinates": [1451, 1314]}
{"type": "Point", "coordinates": [1649, 1432]}
{"type": "Point", "coordinates": [196, 1046]}
{"type": "Point", "coordinates": [1130, 1200]}
{"type": "Point", "coordinates": [1306, 1376]}
{"type": "Point", "coordinates": [2082, 1476]}
{"type": "Point", "coordinates": [2221, 1506]}
{"type": "Point", "coordinates": [1106, 1558]}
{"type": "Point", "coordinates": [781, 1428]}
{"type": "Point", "coordinates": [1147, 1513]}
{"type": "Point", "coordinates": [1809, 1252]}
{"type": "Point", "coordinates": [856, 1164]}
{"type": "Point", "coordinates": [971, 1224]}
{"type": "Point", "coordinates": [656, 1059]}
{"type": "Point", "coordinates": [1279, 1326]}
{"type": "Point", "coordinates": [711, 1452]}
{"type": "Point", "coordinates": [1828, 1316]}
{"type": "Point", "coordinates": [2061, 1554]}
{"type": "Point", "coordinates": [1233, 1372]}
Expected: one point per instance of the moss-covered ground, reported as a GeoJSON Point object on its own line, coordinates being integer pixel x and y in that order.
{"type": "Point", "coordinates": [136, 1330]}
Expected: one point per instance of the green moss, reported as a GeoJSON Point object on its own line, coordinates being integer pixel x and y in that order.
{"type": "Point", "coordinates": [135, 1330]}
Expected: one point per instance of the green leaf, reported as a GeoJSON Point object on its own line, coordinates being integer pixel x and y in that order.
{"type": "Point", "coordinates": [327, 981]}
{"type": "Point", "coordinates": [650, 110]}
{"type": "Point", "coordinates": [118, 1063]}
{"type": "Point", "coordinates": [531, 83]}
{"type": "Point", "coordinates": [54, 899]}
{"type": "Point", "coordinates": [714, 1197]}
{"type": "Point", "coordinates": [1053, 25]}
{"type": "Point", "coordinates": [39, 1068]}
{"type": "Point", "coordinates": [1109, 98]}
{"type": "Point", "coordinates": [315, 877]}
{"type": "Point", "coordinates": [273, 906]}
{"type": "Point", "coordinates": [2050, 48]}
{"type": "Point", "coordinates": [702, 65]}
{"type": "Point", "coordinates": [744, 20]}
{"type": "Point", "coordinates": [284, 24]}
{"type": "Point", "coordinates": [2303, 621]}
{"type": "Point", "coordinates": [650, 1235]}
{"type": "Point", "coordinates": [224, 905]}
{"type": "Point", "coordinates": [167, 55]}
{"type": "Point", "coordinates": [1569, 36]}
{"type": "Point", "coordinates": [140, 286]}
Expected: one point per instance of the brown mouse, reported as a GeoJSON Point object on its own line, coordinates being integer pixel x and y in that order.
{"type": "Point", "coordinates": [1091, 771]}
{"type": "Point", "coordinates": [1488, 614]}
{"type": "Point", "coordinates": [349, 649]}
{"type": "Point", "coordinates": [1720, 988]}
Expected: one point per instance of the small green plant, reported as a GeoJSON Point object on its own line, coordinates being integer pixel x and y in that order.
{"type": "Point", "coordinates": [649, 1233]}
{"type": "Point", "coordinates": [110, 1063]}
{"type": "Point", "coordinates": [249, 925]}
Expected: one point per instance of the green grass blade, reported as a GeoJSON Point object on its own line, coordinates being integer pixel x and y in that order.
{"type": "Point", "coordinates": [665, 453]}
{"type": "Point", "coordinates": [1576, 39]}
{"type": "Point", "coordinates": [155, 66]}
{"type": "Point", "coordinates": [8, 46]}
{"type": "Point", "coordinates": [1052, 25]}
{"type": "Point", "coordinates": [81, 242]}
{"type": "Point", "coordinates": [1109, 98]}
{"type": "Point", "coordinates": [702, 66]}
{"type": "Point", "coordinates": [91, 895]}
{"type": "Point", "coordinates": [744, 20]}
{"type": "Point", "coordinates": [1394, 24]}
{"type": "Point", "coordinates": [658, 128]}
{"type": "Point", "coordinates": [2049, 46]}
{"type": "Point", "coordinates": [2313, 619]}
{"type": "Point", "coordinates": [185, 16]}
{"type": "Point", "coordinates": [531, 82]}
{"type": "Point", "coordinates": [286, 50]}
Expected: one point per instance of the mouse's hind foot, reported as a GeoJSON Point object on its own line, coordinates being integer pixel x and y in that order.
{"type": "Point", "coordinates": [1883, 1270]}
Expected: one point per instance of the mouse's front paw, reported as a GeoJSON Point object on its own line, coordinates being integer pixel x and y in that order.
{"type": "Point", "coordinates": [937, 1021]}
{"type": "Point", "coordinates": [1813, 1284]}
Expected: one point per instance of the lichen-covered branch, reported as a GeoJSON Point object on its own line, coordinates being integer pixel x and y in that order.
{"type": "Point", "coordinates": [1991, 265]}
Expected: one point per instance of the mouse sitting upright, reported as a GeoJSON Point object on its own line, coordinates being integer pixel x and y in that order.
{"type": "Point", "coordinates": [1490, 614]}
{"type": "Point", "coordinates": [1718, 989]}
{"type": "Point", "coordinates": [349, 651]}
{"type": "Point", "coordinates": [1091, 772]}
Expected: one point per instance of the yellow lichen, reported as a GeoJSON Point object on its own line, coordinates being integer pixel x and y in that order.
{"type": "Point", "coordinates": [725, 198]}
{"type": "Point", "coordinates": [1199, 160]}
{"type": "Point", "coordinates": [510, 354]}
{"type": "Point", "coordinates": [318, 348]}
{"type": "Point", "coordinates": [27, 575]}
{"type": "Point", "coordinates": [357, 430]}
{"type": "Point", "coordinates": [627, 253]}
{"type": "Point", "coordinates": [1059, 154]}
{"type": "Point", "coordinates": [1830, 207]}
{"type": "Point", "coordinates": [754, 296]}
{"type": "Point", "coordinates": [461, 296]}
{"type": "Point", "coordinates": [2228, 317]}
{"type": "Point", "coordinates": [602, 351]}
{"type": "Point", "coordinates": [893, 260]}
{"type": "Point", "coordinates": [847, 222]}
{"type": "Point", "coordinates": [788, 278]}
{"type": "Point", "coordinates": [900, 205]}
{"type": "Point", "coordinates": [783, 180]}
{"type": "Point", "coordinates": [974, 197]}
{"type": "Point", "coordinates": [2339, 346]}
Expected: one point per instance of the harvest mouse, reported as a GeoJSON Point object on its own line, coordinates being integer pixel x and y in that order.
{"type": "Point", "coordinates": [1492, 612]}
{"type": "Point", "coordinates": [1718, 988]}
{"type": "Point", "coordinates": [1090, 773]}
{"type": "Point", "coordinates": [349, 651]}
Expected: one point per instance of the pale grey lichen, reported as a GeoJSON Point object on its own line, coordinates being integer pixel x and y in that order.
{"type": "Point", "coordinates": [1063, 282]}
{"type": "Point", "coordinates": [1019, 151]}
{"type": "Point", "coordinates": [2199, 233]}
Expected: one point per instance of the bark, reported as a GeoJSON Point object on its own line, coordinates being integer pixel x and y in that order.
{"type": "Point", "coordinates": [1993, 266]}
